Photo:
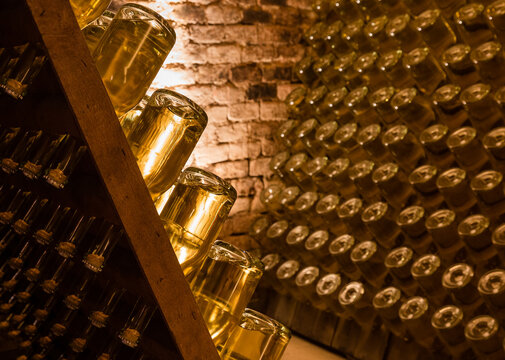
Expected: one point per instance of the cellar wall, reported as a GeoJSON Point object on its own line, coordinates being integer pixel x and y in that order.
{"type": "Point", "coordinates": [235, 58]}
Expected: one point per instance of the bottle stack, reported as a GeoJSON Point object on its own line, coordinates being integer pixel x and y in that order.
{"type": "Point", "coordinates": [386, 207]}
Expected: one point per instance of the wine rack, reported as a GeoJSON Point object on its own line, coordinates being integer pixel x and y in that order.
{"type": "Point", "coordinates": [68, 97]}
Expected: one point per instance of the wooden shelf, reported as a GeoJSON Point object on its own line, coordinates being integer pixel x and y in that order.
{"type": "Point", "coordinates": [69, 97]}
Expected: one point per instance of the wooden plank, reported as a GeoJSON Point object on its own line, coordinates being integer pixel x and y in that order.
{"type": "Point", "coordinates": [116, 165]}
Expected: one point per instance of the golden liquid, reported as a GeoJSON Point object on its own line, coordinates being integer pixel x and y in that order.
{"type": "Point", "coordinates": [200, 210]}
{"type": "Point", "coordinates": [250, 344]}
{"type": "Point", "coordinates": [88, 10]}
{"type": "Point", "coordinates": [222, 287]}
{"type": "Point", "coordinates": [128, 58]}
{"type": "Point", "coordinates": [162, 143]}
{"type": "Point", "coordinates": [189, 249]}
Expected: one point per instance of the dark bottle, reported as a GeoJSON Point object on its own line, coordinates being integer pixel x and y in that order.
{"type": "Point", "coordinates": [404, 146]}
{"type": "Point", "coordinates": [485, 336]}
{"type": "Point", "coordinates": [63, 162]}
{"type": "Point", "coordinates": [398, 263]}
{"type": "Point", "coordinates": [370, 139]}
{"type": "Point", "coordinates": [369, 259]}
{"type": "Point", "coordinates": [423, 179]}
{"type": "Point", "coordinates": [411, 221]}
{"type": "Point", "coordinates": [455, 187]}
{"type": "Point", "coordinates": [379, 219]}
{"type": "Point", "coordinates": [381, 102]}
{"type": "Point", "coordinates": [435, 30]}
{"type": "Point", "coordinates": [415, 313]}
{"type": "Point", "coordinates": [449, 326]}
{"type": "Point", "coordinates": [340, 249]}
{"type": "Point", "coordinates": [427, 271]}
{"type": "Point", "coordinates": [393, 184]}
{"type": "Point", "coordinates": [458, 66]}
{"type": "Point", "coordinates": [449, 107]}
{"type": "Point", "coordinates": [460, 281]}
{"type": "Point", "coordinates": [391, 65]}
{"type": "Point", "coordinates": [355, 298]}
{"type": "Point", "coordinates": [491, 288]}
{"type": "Point", "coordinates": [471, 24]}
{"type": "Point", "coordinates": [387, 303]}
{"type": "Point", "coordinates": [328, 288]}
{"type": "Point", "coordinates": [443, 228]}
{"type": "Point", "coordinates": [295, 241]}
{"type": "Point", "coordinates": [40, 155]}
{"type": "Point", "coordinates": [468, 150]}
{"type": "Point", "coordinates": [424, 69]}
{"type": "Point", "coordinates": [490, 61]}
{"type": "Point", "coordinates": [482, 109]}
{"type": "Point", "coordinates": [434, 140]}
{"type": "Point", "coordinates": [399, 28]}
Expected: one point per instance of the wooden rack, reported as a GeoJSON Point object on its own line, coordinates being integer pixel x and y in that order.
{"type": "Point", "coordinates": [68, 97]}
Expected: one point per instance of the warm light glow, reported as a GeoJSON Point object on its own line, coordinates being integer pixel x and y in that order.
{"type": "Point", "coordinates": [161, 142]}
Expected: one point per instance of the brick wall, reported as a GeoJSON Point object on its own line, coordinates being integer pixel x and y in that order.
{"type": "Point", "coordinates": [234, 58]}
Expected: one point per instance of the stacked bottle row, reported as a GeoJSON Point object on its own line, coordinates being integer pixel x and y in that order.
{"type": "Point", "coordinates": [54, 298]}
{"type": "Point", "coordinates": [387, 202]}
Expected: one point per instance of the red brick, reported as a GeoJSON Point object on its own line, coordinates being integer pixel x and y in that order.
{"type": "Point", "coordinates": [217, 115]}
{"type": "Point", "coordinates": [223, 54]}
{"type": "Point", "coordinates": [258, 53]}
{"type": "Point", "coordinates": [290, 53]}
{"type": "Point", "coordinates": [241, 34]}
{"type": "Point", "coordinates": [231, 169]}
{"type": "Point", "coordinates": [233, 133]}
{"type": "Point", "coordinates": [244, 111]}
{"type": "Point", "coordinates": [223, 14]}
{"type": "Point", "coordinates": [260, 167]}
{"type": "Point", "coordinates": [273, 111]}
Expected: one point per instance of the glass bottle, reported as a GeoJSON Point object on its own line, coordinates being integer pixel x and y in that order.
{"type": "Point", "coordinates": [269, 198]}
{"type": "Point", "coordinates": [337, 178]}
{"type": "Point", "coordinates": [63, 162]}
{"type": "Point", "coordinates": [304, 72]}
{"type": "Point", "coordinates": [333, 107]}
{"type": "Point", "coordinates": [490, 60]}
{"type": "Point", "coordinates": [413, 109]}
{"type": "Point", "coordinates": [369, 259]}
{"type": "Point", "coordinates": [494, 143]}
{"type": "Point", "coordinates": [345, 139]}
{"type": "Point", "coordinates": [285, 134]}
{"type": "Point", "coordinates": [359, 105]}
{"type": "Point", "coordinates": [424, 69]}
{"type": "Point", "coordinates": [258, 229]}
{"type": "Point", "coordinates": [471, 24]}
{"type": "Point", "coordinates": [449, 326]}
{"type": "Point", "coordinates": [317, 246]}
{"type": "Point", "coordinates": [94, 30]}
{"type": "Point", "coordinates": [415, 7]}
{"type": "Point", "coordinates": [97, 255]}
{"type": "Point", "coordinates": [314, 37]}
{"type": "Point", "coordinates": [164, 136]}
{"type": "Point", "coordinates": [434, 139]}
{"type": "Point", "coordinates": [286, 275]}
{"type": "Point", "coordinates": [390, 64]}
{"type": "Point", "coordinates": [130, 53]}
{"type": "Point", "coordinates": [475, 232]}
{"type": "Point", "coordinates": [333, 40]}
{"type": "Point", "coordinates": [195, 213]}
{"type": "Point", "coordinates": [415, 314]}
{"type": "Point", "coordinates": [449, 107]}
{"type": "Point", "coordinates": [361, 175]}
{"type": "Point", "coordinates": [327, 208]}
{"type": "Point", "coordinates": [326, 72]}
{"type": "Point", "coordinates": [294, 170]}
{"type": "Point", "coordinates": [356, 301]}
{"type": "Point", "coordinates": [108, 301]}
{"type": "Point", "coordinates": [443, 228]}
{"type": "Point", "coordinates": [411, 221]}
{"type": "Point", "coordinates": [435, 30]}
{"type": "Point", "coordinates": [498, 239]}
{"type": "Point", "coordinates": [276, 235]}
{"type": "Point", "coordinates": [353, 34]}
{"type": "Point", "coordinates": [369, 75]}
{"type": "Point", "coordinates": [75, 235]}
{"type": "Point", "coordinates": [344, 65]}
{"type": "Point", "coordinates": [306, 281]}
{"type": "Point", "coordinates": [12, 161]}
{"type": "Point", "coordinates": [347, 11]}
{"type": "Point", "coordinates": [427, 271]}
{"type": "Point", "coordinates": [495, 16]}
{"type": "Point", "coordinates": [137, 322]}
{"type": "Point", "coordinates": [271, 262]}
{"type": "Point", "coordinates": [404, 146]}
{"type": "Point", "coordinates": [370, 139]}
{"type": "Point", "coordinates": [288, 198]}
{"type": "Point", "coordinates": [340, 249]}
{"type": "Point", "coordinates": [460, 281]}
{"type": "Point", "coordinates": [400, 28]}
{"type": "Point", "coordinates": [375, 30]}
{"type": "Point", "coordinates": [295, 102]}
{"type": "Point", "coordinates": [129, 119]}
{"type": "Point", "coordinates": [484, 335]}
{"type": "Point", "coordinates": [277, 164]}
{"type": "Point", "coordinates": [86, 12]}
{"type": "Point", "coordinates": [295, 241]}
{"type": "Point", "coordinates": [223, 286]}
{"type": "Point", "coordinates": [482, 109]}
{"type": "Point", "coordinates": [327, 289]}
{"type": "Point", "coordinates": [378, 218]}
{"type": "Point", "coordinates": [256, 337]}
{"type": "Point", "coordinates": [305, 209]}
{"type": "Point", "coordinates": [315, 97]}
{"type": "Point", "coordinates": [458, 66]}
{"type": "Point", "coordinates": [449, 7]}
{"type": "Point", "coordinates": [387, 303]}
{"type": "Point", "coordinates": [398, 263]}
{"type": "Point", "coordinates": [455, 187]}
{"type": "Point", "coordinates": [350, 213]}
{"type": "Point", "coordinates": [324, 136]}
{"type": "Point", "coordinates": [468, 150]}
{"type": "Point", "coordinates": [306, 133]}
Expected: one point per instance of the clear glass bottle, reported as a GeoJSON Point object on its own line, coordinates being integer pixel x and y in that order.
{"type": "Point", "coordinates": [471, 24]}
{"type": "Point", "coordinates": [285, 135]}
{"type": "Point", "coordinates": [468, 150]}
{"type": "Point", "coordinates": [369, 75]}
{"type": "Point", "coordinates": [361, 174]}
{"type": "Point", "coordinates": [129, 119]}
{"type": "Point", "coordinates": [482, 109]}
{"type": "Point", "coordinates": [393, 184]}
{"type": "Point", "coordinates": [130, 53]}
{"type": "Point", "coordinates": [337, 178]}
{"type": "Point", "coordinates": [256, 337]}
{"type": "Point", "coordinates": [350, 213]}
{"type": "Point", "coordinates": [427, 271]}
{"type": "Point", "coordinates": [485, 336]}
{"type": "Point", "coordinates": [401, 29]}
{"type": "Point", "coordinates": [324, 136]}
{"type": "Point", "coordinates": [306, 282]}
{"type": "Point", "coordinates": [375, 30]}
{"type": "Point", "coordinates": [340, 249]}
{"type": "Point", "coordinates": [404, 146]}
{"type": "Point", "coordinates": [458, 66]}
{"type": "Point", "coordinates": [164, 137]}
{"type": "Point", "coordinates": [413, 109]}
{"type": "Point", "coordinates": [306, 133]}
{"type": "Point", "coordinates": [295, 102]}
{"type": "Point", "coordinates": [424, 69]}
{"type": "Point", "coordinates": [333, 107]}
{"type": "Point", "coordinates": [94, 30]}
{"type": "Point", "coordinates": [411, 221]}
{"type": "Point", "coordinates": [434, 139]}
{"type": "Point", "coordinates": [379, 219]}
{"type": "Point", "coordinates": [490, 60]}
{"type": "Point", "coordinates": [369, 259]}
{"type": "Point", "coordinates": [326, 208]}
{"type": "Point", "coordinates": [295, 240]}
{"type": "Point", "coordinates": [327, 289]}
{"type": "Point", "coordinates": [304, 72]}
{"type": "Point", "coordinates": [391, 65]}
{"type": "Point", "coordinates": [223, 286]}
{"type": "Point", "coordinates": [195, 213]}
{"type": "Point", "coordinates": [345, 139]}
{"type": "Point", "coordinates": [449, 107]}
{"type": "Point", "coordinates": [86, 12]}
{"type": "Point", "coordinates": [276, 235]}
{"type": "Point", "coordinates": [317, 246]}
{"type": "Point", "coordinates": [435, 30]}
{"type": "Point", "coordinates": [370, 139]}
{"type": "Point", "coordinates": [355, 298]}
